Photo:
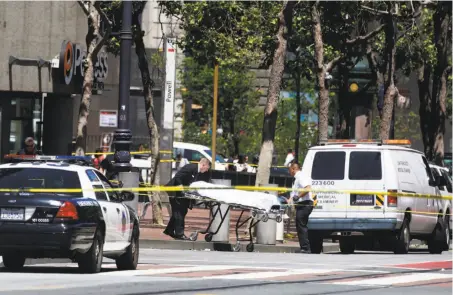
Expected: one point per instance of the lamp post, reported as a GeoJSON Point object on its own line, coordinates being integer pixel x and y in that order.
{"type": "Point", "coordinates": [214, 115]}
{"type": "Point", "coordinates": [122, 137]}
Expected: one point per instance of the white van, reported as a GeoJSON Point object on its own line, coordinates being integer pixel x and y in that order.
{"type": "Point", "coordinates": [445, 188]}
{"type": "Point", "coordinates": [360, 221]}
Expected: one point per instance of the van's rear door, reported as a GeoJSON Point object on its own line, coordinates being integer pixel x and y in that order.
{"type": "Point", "coordinates": [366, 179]}
{"type": "Point", "coordinates": [328, 173]}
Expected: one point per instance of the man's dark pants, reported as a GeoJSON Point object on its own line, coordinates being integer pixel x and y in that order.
{"type": "Point", "coordinates": [303, 211]}
{"type": "Point", "coordinates": [179, 208]}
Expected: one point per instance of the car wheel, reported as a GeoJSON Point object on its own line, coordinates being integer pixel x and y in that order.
{"type": "Point", "coordinates": [347, 246]}
{"type": "Point", "coordinates": [437, 239]}
{"type": "Point", "coordinates": [129, 260]}
{"type": "Point", "coordinates": [403, 239]}
{"type": "Point", "coordinates": [13, 261]}
{"type": "Point", "coordinates": [91, 261]}
{"type": "Point", "coordinates": [316, 241]}
{"type": "Point", "coordinates": [447, 233]}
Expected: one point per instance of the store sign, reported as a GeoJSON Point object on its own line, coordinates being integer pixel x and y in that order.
{"type": "Point", "coordinates": [170, 77]}
{"type": "Point", "coordinates": [71, 67]}
{"type": "Point", "coordinates": [108, 118]}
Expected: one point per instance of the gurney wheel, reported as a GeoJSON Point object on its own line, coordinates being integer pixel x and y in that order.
{"type": "Point", "coordinates": [278, 219]}
{"type": "Point", "coordinates": [194, 236]}
{"type": "Point", "coordinates": [237, 247]}
{"type": "Point", "coordinates": [208, 237]}
{"type": "Point", "coordinates": [253, 214]}
{"type": "Point", "coordinates": [265, 217]}
{"type": "Point", "coordinates": [250, 248]}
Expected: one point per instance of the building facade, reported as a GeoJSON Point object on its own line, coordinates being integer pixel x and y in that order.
{"type": "Point", "coordinates": [40, 85]}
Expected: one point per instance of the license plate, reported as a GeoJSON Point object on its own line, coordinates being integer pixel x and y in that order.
{"type": "Point", "coordinates": [364, 200]}
{"type": "Point", "coordinates": [12, 214]}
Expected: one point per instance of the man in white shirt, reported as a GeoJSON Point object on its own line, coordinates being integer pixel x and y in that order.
{"type": "Point", "coordinates": [304, 205]}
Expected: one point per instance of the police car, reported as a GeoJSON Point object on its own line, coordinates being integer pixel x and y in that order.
{"type": "Point", "coordinates": [48, 209]}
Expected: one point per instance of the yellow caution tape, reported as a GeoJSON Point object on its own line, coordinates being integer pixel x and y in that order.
{"type": "Point", "coordinates": [237, 187]}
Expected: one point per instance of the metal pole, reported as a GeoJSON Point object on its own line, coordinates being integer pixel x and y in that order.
{"type": "Point", "coordinates": [214, 115]}
{"type": "Point", "coordinates": [123, 136]}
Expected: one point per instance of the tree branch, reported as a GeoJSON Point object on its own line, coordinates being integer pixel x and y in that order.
{"type": "Point", "coordinates": [375, 11]}
{"type": "Point", "coordinates": [366, 37]}
{"type": "Point", "coordinates": [84, 8]}
{"type": "Point", "coordinates": [333, 63]}
{"type": "Point", "coordinates": [107, 23]}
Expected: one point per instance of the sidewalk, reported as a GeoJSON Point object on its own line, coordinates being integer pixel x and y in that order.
{"type": "Point", "coordinates": [198, 219]}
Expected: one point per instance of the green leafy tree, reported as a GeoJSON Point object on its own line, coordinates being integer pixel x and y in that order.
{"type": "Point", "coordinates": [236, 95]}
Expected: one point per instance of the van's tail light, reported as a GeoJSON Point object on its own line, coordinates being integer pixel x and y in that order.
{"type": "Point", "coordinates": [68, 211]}
{"type": "Point", "coordinates": [392, 201]}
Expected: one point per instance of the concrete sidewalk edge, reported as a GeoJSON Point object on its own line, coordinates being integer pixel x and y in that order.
{"type": "Point", "coordinates": [215, 246]}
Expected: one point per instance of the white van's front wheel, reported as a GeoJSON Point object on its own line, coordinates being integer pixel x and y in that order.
{"type": "Point", "coordinates": [438, 238]}
{"type": "Point", "coordinates": [403, 239]}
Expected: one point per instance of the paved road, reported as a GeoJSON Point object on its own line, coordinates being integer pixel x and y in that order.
{"type": "Point", "coordinates": [203, 272]}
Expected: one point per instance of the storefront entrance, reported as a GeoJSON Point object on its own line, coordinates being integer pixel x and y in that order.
{"type": "Point", "coordinates": [20, 117]}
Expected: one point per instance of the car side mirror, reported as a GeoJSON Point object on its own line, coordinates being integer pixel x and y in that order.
{"type": "Point", "coordinates": [442, 181]}
{"type": "Point", "coordinates": [127, 196]}
{"type": "Point", "coordinates": [435, 182]}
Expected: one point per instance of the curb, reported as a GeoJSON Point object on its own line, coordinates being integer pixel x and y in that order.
{"type": "Point", "coordinates": [226, 247]}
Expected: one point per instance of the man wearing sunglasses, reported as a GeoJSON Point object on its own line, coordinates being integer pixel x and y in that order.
{"type": "Point", "coordinates": [30, 148]}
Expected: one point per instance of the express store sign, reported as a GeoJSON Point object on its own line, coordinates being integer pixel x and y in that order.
{"type": "Point", "coordinates": [72, 56]}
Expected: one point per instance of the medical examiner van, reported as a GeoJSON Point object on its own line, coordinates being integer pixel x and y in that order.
{"type": "Point", "coordinates": [354, 180]}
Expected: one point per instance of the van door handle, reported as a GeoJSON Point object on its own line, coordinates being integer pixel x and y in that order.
{"type": "Point", "coordinates": [105, 209]}
{"type": "Point", "coordinates": [118, 210]}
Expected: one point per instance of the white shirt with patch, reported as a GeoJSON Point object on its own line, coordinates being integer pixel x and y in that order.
{"type": "Point", "coordinates": [300, 182]}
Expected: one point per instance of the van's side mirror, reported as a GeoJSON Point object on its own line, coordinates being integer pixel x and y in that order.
{"type": "Point", "coordinates": [127, 196]}
{"type": "Point", "coordinates": [435, 182]}
{"type": "Point", "coordinates": [442, 181]}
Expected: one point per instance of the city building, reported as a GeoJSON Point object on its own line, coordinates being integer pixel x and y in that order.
{"type": "Point", "coordinates": [41, 81]}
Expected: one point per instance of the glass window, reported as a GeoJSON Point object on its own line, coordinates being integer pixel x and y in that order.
{"type": "Point", "coordinates": [113, 196]}
{"type": "Point", "coordinates": [26, 178]}
{"type": "Point", "coordinates": [192, 155]}
{"type": "Point", "coordinates": [328, 166]}
{"type": "Point", "coordinates": [365, 166]}
{"type": "Point", "coordinates": [100, 195]}
{"type": "Point", "coordinates": [217, 156]}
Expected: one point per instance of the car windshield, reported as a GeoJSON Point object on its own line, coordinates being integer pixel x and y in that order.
{"type": "Point", "coordinates": [217, 157]}
{"type": "Point", "coordinates": [36, 178]}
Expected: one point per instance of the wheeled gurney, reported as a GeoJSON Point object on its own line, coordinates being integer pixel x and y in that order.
{"type": "Point", "coordinates": [263, 207]}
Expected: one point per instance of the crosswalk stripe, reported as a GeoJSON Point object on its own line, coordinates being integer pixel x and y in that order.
{"type": "Point", "coordinates": [397, 279]}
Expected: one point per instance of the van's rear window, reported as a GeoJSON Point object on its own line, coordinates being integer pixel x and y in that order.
{"type": "Point", "coordinates": [365, 166]}
{"type": "Point", "coordinates": [328, 166]}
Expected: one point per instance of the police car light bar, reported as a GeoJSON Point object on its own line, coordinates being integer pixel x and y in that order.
{"type": "Point", "coordinates": [60, 158]}
{"type": "Point", "coordinates": [404, 142]}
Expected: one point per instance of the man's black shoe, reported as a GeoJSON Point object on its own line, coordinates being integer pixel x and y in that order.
{"type": "Point", "coordinates": [303, 251]}
{"type": "Point", "coordinates": [169, 234]}
{"type": "Point", "coordinates": [181, 237]}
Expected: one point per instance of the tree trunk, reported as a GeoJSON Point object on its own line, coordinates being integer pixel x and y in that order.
{"type": "Point", "coordinates": [323, 96]}
{"type": "Point", "coordinates": [439, 89]}
{"type": "Point", "coordinates": [439, 149]}
{"type": "Point", "coordinates": [88, 76]}
{"type": "Point", "coordinates": [149, 105]}
{"type": "Point", "coordinates": [275, 79]}
{"type": "Point", "coordinates": [298, 114]}
{"type": "Point", "coordinates": [424, 74]}
{"type": "Point", "coordinates": [391, 90]}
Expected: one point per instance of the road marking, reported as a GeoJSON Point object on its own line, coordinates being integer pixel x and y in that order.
{"type": "Point", "coordinates": [173, 270]}
{"type": "Point", "coordinates": [269, 274]}
{"type": "Point", "coordinates": [392, 280]}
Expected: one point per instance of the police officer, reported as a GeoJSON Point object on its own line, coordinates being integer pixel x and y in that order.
{"type": "Point", "coordinates": [180, 205]}
{"type": "Point", "coordinates": [304, 205]}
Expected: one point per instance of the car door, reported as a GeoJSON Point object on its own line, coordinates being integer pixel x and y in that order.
{"type": "Point", "coordinates": [426, 207]}
{"type": "Point", "coordinates": [119, 215]}
{"type": "Point", "coordinates": [103, 200]}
